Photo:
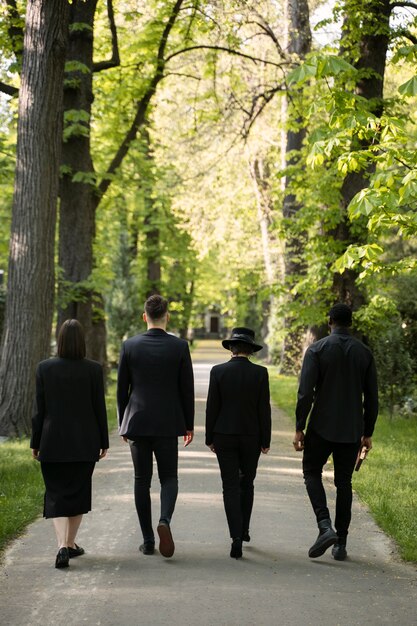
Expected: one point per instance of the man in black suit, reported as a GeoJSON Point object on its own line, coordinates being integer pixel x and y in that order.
{"type": "Point", "coordinates": [338, 379]}
{"type": "Point", "coordinates": [155, 401]}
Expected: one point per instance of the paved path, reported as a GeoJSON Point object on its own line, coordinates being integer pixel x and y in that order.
{"type": "Point", "coordinates": [274, 584]}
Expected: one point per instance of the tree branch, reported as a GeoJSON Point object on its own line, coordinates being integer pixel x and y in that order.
{"type": "Point", "coordinates": [142, 105]}
{"type": "Point", "coordinates": [408, 35]}
{"type": "Point", "coordinates": [224, 49]}
{"type": "Point", "coordinates": [410, 5]}
{"type": "Point", "coordinates": [115, 56]}
{"type": "Point", "coordinates": [8, 89]}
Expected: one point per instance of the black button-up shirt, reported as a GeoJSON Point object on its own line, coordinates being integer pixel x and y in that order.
{"type": "Point", "coordinates": [338, 379]}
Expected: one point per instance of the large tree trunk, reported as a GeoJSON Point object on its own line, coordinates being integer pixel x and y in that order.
{"type": "Point", "coordinates": [369, 45]}
{"type": "Point", "coordinates": [299, 44]}
{"type": "Point", "coordinates": [30, 300]}
{"type": "Point", "coordinates": [79, 200]}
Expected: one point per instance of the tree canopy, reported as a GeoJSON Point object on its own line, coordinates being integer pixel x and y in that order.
{"type": "Point", "coordinates": [247, 157]}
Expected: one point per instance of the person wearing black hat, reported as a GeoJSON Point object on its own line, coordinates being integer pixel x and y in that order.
{"type": "Point", "coordinates": [338, 379]}
{"type": "Point", "coordinates": [238, 429]}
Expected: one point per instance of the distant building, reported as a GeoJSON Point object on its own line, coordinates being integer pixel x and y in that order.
{"type": "Point", "coordinates": [212, 324]}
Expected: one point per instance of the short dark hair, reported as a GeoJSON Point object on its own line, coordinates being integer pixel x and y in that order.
{"type": "Point", "coordinates": [341, 314]}
{"type": "Point", "coordinates": [241, 347]}
{"type": "Point", "coordinates": [156, 307]}
{"type": "Point", "coordinates": [71, 340]}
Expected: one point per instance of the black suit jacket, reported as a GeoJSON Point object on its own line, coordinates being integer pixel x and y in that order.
{"type": "Point", "coordinates": [238, 401]}
{"type": "Point", "coordinates": [155, 386]}
{"type": "Point", "coordinates": [71, 420]}
{"type": "Point", "coordinates": [338, 378]}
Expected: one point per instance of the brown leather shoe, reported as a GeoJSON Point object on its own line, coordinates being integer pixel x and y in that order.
{"type": "Point", "coordinates": [166, 542]}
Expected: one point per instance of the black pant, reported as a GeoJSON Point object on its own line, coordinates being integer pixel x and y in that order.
{"type": "Point", "coordinates": [316, 452]}
{"type": "Point", "coordinates": [238, 457]}
{"type": "Point", "coordinates": [166, 454]}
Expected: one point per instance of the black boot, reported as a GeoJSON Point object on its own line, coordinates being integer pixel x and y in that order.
{"type": "Point", "coordinates": [339, 549]}
{"type": "Point", "coordinates": [246, 535]}
{"type": "Point", "coordinates": [236, 549]}
{"type": "Point", "coordinates": [326, 538]}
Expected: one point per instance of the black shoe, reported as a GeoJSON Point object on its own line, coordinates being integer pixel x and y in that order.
{"type": "Point", "coordinates": [236, 549]}
{"type": "Point", "coordinates": [62, 558]}
{"type": "Point", "coordinates": [326, 538]}
{"type": "Point", "coordinates": [147, 547]}
{"type": "Point", "coordinates": [77, 551]}
{"type": "Point", "coordinates": [339, 550]}
{"type": "Point", "coordinates": [246, 536]}
{"type": "Point", "coordinates": [166, 542]}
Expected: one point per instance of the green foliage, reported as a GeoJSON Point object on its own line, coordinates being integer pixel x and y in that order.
{"type": "Point", "coordinates": [21, 489]}
{"type": "Point", "coordinates": [76, 123]}
{"type": "Point", "coordinates": [387, 482]}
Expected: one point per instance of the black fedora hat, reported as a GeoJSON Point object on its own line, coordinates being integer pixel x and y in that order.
{"type": "Point", "coordinates": [242, 335]}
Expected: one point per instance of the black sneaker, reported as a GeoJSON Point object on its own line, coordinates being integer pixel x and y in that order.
{"type": "Point", "coordinates": [147, 548]}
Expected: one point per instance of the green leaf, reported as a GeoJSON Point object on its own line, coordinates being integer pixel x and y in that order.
{"type": "Point", "coordinates": [302, 73]}
{"type": "Point", "coordinates": [363, 203]}
{"type": "Point", "coordinates": [332, 65]}
{"type": "Point", "coordinates": [409, 88]}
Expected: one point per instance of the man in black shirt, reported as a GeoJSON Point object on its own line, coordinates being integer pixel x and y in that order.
{"type": "Point", "coordinates": [338, 379]}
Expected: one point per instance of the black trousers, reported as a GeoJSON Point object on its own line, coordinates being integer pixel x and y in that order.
{"type": "Point", "coordinates": [316, 453]}
{"type": "Point", "coordinates": [238, 457]}
{"type": "Point", "coordinates": [165, 450]}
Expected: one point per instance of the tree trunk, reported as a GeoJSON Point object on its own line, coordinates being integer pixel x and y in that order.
{"type": "Point", "coordinates": [30, 299]}
{"type": "Point", "coordinates": [299, 44]}
{"type": "Point", "coordinates": [151, 249]}
{"type": "Point", "coordinates": [370, 44]}
{"type": "Point", "coordinates": [79, 198]}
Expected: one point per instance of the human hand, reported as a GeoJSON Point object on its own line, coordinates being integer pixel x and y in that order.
{"type": "Point", "coordinates": [367, 442]}
{"type": "Point", "coordinates": [103, 453]}
{"type": "Point", "coordinates": [265, 450]}
{"type": "Point", "coordinates": [211, 446]}
{"type": "Point", "coordinates": [125, 439]}
{"type": "Point", "coordinates": [298, 441]}
{"type": "Point", "coordinates": [35, 454]}
{"type": "Point", "coordinates": [188, 437]}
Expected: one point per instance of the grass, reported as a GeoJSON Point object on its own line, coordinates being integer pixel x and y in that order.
{"type": "Point", "coordinates": [21, 489]}
{"type": "Point", "coordinates": [387, 481]}
{"type": "Point", "coordinates": [21, 483]}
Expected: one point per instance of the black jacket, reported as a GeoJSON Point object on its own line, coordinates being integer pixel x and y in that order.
{"type": "Point", "coordinates": [155, 386]}
{"type": "Point", "coordinates": [238, 401]}
{"type": "Point", "coordinates": [71, 420]}
{"type": "Point", "coordinates": [338, 378]}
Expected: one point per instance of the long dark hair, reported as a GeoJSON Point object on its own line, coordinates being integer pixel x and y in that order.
{"type": "Point", "coordinates": [71, 340]}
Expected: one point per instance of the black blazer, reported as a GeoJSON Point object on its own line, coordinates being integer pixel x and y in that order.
{"type": "Point", "coordinates": [71, 420]}
{"type": "Point", "coordinates": [338, 378]}
{"type": "Point", "coordinates": [238, 401]}
{"type": "Point", "coordinates": [155, 386]}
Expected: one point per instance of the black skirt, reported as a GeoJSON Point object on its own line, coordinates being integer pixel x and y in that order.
{"type": "Point", "coordinates": [68, 488]}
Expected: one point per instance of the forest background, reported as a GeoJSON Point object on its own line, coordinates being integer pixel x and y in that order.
{"type": "Point", "coordinates": [253, 158]}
